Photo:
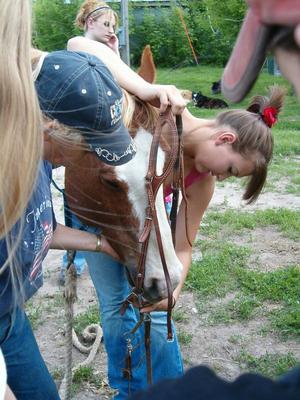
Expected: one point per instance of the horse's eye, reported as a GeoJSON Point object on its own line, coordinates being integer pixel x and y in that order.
{"type": "Point", "coordinates": [111, 184]}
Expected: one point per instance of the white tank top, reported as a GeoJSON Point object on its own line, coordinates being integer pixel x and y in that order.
{"type": "Point", "coordinates": [3, 376]}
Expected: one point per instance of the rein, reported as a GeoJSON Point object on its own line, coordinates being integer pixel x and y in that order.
{"type": "Point", "coordinates": [153, 183]}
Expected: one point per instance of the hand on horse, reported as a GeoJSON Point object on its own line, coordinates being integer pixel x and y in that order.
{"type": "Point", "coordinates": [106, 248]}
{"type": "Point", "coordinates": [163, 96]}
{"type": "Point", "coordinates": [160, 306]}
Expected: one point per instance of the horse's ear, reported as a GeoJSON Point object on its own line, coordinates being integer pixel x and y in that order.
{"type": "Point", "coordinates": [147, 68]}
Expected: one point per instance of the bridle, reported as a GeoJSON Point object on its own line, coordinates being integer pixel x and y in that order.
{"type": "Point", "coordinates": [153, 183]}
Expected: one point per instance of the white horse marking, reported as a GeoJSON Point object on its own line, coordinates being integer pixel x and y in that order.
{"type": "Point", "coordinates": [133, 173]}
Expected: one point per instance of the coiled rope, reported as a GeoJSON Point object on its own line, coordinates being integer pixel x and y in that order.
{"type": "Point", "coordinates": [91, 332]}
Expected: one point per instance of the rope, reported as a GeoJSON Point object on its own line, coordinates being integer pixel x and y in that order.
{"type": "Point", "coordinates": [70, 297]}
{"type": "Point", "coordinates": [91, 332]}
{"type": "Point", "coordinates": [187, 34]}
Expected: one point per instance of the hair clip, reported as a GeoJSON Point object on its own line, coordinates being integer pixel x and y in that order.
{"type": "Point", "coordinates": [269, 116]}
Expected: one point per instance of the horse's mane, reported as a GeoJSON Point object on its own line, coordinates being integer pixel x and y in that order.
{"type": "Point", "coordinates": [138, 114]}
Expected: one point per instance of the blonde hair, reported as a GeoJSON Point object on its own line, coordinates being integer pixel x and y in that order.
{"type": "Point", "coordinates": [21, 131]}
{"type": "Point", "coordinates": [254, 135]}
{"type": "Point", "coordinates": [20, 124]}
{"type": "Point", "coordinates": [93, 8]}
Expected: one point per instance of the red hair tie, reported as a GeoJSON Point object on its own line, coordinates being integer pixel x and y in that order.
{"type": "Point", "coordinates": [269, 116]}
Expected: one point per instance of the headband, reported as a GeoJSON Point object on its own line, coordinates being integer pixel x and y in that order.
{"type": "Point", "coordinates": [97, 9]}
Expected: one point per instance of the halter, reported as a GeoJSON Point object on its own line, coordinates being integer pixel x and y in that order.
{"type": "Point", "coordinates": [153, 183]}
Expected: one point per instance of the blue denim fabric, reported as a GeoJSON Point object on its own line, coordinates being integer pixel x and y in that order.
{"type": "Point", "coordinates": [111, 285]}
{"type": "Point", "coordinates": [27, 373]}
{"type": "Point", "coordinates": [79, 260]}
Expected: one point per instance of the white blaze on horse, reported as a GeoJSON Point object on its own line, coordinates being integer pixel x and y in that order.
{"type": "Point", "coordinates": [114, 198]}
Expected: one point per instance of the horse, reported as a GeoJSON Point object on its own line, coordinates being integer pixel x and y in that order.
{"type": "Point", "coordinates": [114, 198]}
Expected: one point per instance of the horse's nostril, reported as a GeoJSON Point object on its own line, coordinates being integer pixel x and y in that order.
{"type": "Point", "coordinates": [152, 292]}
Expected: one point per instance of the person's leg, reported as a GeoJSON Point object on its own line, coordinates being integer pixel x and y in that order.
{"type": "Point", "coordinates": [27, 373]}
{"type": "Point", "coordinates": [112, 288]}
{"type": "Point", "coordinates": [165, 356]}
{"type": "Point", "coordinates": [111, 285]}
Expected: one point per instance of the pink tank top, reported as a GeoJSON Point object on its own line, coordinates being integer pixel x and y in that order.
{"type": "Point", "coordinates": [191, 178]}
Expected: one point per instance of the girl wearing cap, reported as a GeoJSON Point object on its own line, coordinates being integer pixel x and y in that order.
{"type": "Point", "coordinates": [100, 23]}
{"type": "Point", "coordinates": [237, 143]}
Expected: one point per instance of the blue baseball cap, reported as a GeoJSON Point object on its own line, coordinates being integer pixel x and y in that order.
{"type": "Point", "coordinates": [79, 91]}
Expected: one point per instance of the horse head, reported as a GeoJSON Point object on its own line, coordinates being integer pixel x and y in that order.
{"type": "Point", "coordinates": [114, 198]}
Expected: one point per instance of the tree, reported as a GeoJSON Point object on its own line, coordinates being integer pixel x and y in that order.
{"type": "Point", "coordinates": [54, 23]}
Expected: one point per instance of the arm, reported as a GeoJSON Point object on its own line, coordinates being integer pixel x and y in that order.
{"type": "Point", "coordinates": [9, 394]}
{"type": "Point", "coordinates": [75, 239]}
{"type": "Point", "coordinates": [158, 95]}
{"type": "Point", "coordinates": [199, 195]}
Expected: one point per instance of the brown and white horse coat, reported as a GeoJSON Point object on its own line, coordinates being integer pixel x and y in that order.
{"type": "Point", "coordinates": [115, 199]}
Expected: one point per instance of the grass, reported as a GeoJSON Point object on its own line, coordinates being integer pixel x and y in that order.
{"type": "Point", "coordinates": [287, 321]}
{"type": "Point", "coordinates": [184, 338]}
{"type": "Point", "coordinates": [37, 311]}
{"type": "Point", "coordinates": [240, 309]}
{"type": "Point", "coordinates": [279, 285]}
{"type": "Point", "coordinates": [35, 314]}
{"type": "Point", "coordinates": [82, 320]}
{"type": "Point", "coordinates": [287, 221]}
{"type": "Point", "coordinates": [215, 275]}
{"type": "Point", "coordinates": [270, 365]}
{"type": "Point", "coordinates": [179, 316]}
{"type": "Point", "coordinates": [224, 270]}
{"type": "Point", "coordinates": [285, 171]}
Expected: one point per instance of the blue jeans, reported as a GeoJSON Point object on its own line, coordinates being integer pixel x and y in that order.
{"type": "Point", "coordinates": [112, 288]}
{"type": "Point", "coordinates": [79, 260]}
{"type": "Point", "coordinates": [27, 373]}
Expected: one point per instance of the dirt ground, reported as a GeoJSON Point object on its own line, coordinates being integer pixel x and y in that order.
{"type": "Point", "coordinates": [211, 345]}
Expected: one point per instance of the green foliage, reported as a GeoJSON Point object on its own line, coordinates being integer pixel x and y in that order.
{"type": "Point", "coordinates": [215, 274]}
{"type": "Point", "coordinates": [163, 31]}
{"type": "Point", "coordinates": [215, 26]}
{"type": "Point", "coordinates": [279, 285]}
{"type": "Point", "coordinates": [184, 337]}
{"type": "Point", "coordinates": [212, 35]}
{"type": "Point", "coordinates": [54, 23]}
{"type": "Point", "coordinates": [179, 316]}
{"type": "Point", "coordinates": [239, 309]}
{"type": "Point", "coordinates": [288, 221]}
{"type": "Point", "coordinates": [82, 320]}
{"type": "Point", "coordinates": [270, 365]}
{"type": "Point", "coordinates": [34, 314]}
{"type": "Point", "coordinates": [287, 320]}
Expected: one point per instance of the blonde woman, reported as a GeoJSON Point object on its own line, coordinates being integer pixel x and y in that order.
{"type": "Point", "coordinates": [99, 22]}
{"type": "Point", "coordinates": [21, 145]}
